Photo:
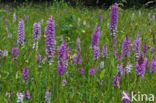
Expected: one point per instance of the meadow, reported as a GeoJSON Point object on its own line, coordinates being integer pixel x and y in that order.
{"type": "Point", "coordinates": [32, 76]}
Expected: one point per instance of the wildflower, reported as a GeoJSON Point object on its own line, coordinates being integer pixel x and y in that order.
{"type": "Point", "coordinates": [139, 13]}
{"type": "Point", "coordinates": [8, 94]}
{"type": "Point", "coordinates": [153, 65]}
{"type": "Point", "coordinates": [62, 51]}
{"type": "Point", "coordinates": [27, 94]}
{"type": "Point", "coordinates": [126, 47]}
{"type": "Point", "coordinates": [7, 8]}
{"type": "Point", "coordinates": [125, 97]}
{"type": "Point", "coordinates": [15, 52]}
{"type": "Point", "coordinates": [101, 82]}
{"type": "Point", "coordinates": [50, 38]}
{"type": "Point", "coordinates": [95, 37]}
{"type": "Point", "coordinates": [39, 58]}
{"type": "Point", "coordinates": [14, 17]}
{"type": "Point", "coordinates": [36, 34]}
{"type": "Point", "coordinates": [1, 52]}
{"type": "Point", "coordinates": [120, 69]}
{"type": "Point", "coordinates": [81, 70]}
{"type": "Point", "coordinates": [120, 57]}
{"type": "Point", "coordinates": [83, 31]}
{"type": "Point", "coordinates": [128, 68]}
{"type": "Point", "coordinates": [84, 22]}
{"type": "Point", "coordinates": [92, 71]}
{"type": "Point", "coordinates": [61, 68]}
{"type": "Point", "coordinates": [48, 96]}
{"type": "Point", "coordinates": [64, 82]}
{"type": "Point", "coordinates": [96, 52]}
{"type": "Point", "coordinates": [116, 81]}
{"type": "Point", "coordinates": [68, 38]}
{"type": "Point", "coordinates": [133, 14]}
{"type": "Point", "coordinates": [74, 58]}
{"type": "Point", "coordinates": [102, 64]}
{"type": "Point", "coordinates": [113, 19]}
{"type": "Point", "coordinates": [78, 45]}
{"type": "Point", "coordinates": [3, 17]}
{"type": "Point", "coordinates": [10, 36]}
{"type": "Point", "coordinates": [44, 35]}
{"type": "Point", "coordinates": [27, 61]}
{"type": "Point", "coordinates": [113, 25]}
{"type": "Point", "coordinates": [149, 30]}
{"type": "Point", "coordinates": [20, 97]}
{"type": "Point", "coordinates": [99, 18]}
{"type": "Point", "coordinates": [79, 60]}
{"type": "Point", "coordinates": [136, 46]}
{"type": "Point", "coordinates": [153, 17]}
{"type": "Point", "coordinates": [104, 51]}
{"type": "Point", "coordinates": [151, 50]}
{"type": "Point", "coordinates": [145, 47]}
{"type": "Point", "coordinates": [20, 38]}
{"type": "Point", "coordinates": [36, 31]}
{"type": "Point", "coordinates": [140, 66]}
{"type": "Point", "coordinates": [114, 47]}
{"type": "Point", "coordinates": [69, 56]}
{"type": "Point", "coordinates": [5, 53]}
{"type": "Point", "coordinates": [6, 22]}
{"type": "Point", "coordinates": [25, 74]}
{"type": "Point", "coordinates": [42, 20]}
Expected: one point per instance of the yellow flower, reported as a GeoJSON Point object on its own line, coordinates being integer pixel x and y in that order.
{"type": "Point", "coordinates": [131, 44]}
{"type": "Point", "coordinates": [69, 56]}
{"type": "Point", "coordinates": [27, 61]}
{"type": "Point", "coordinates": [149, 46]}
{"type": "Point", "coordinates": [83, 31]}
{"type": "Point", "coordinates": [68, 38]}
{"type": "Point", "coordinates": [44, 35]}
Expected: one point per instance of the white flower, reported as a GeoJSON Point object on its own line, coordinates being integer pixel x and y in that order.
{"type": "Point", "coordinates": [133, 15]}
{"type": "Point", "coordinates": [62, 37]}
{"type": "Point", "coordinates": [7, 94]}
{"type": "Point", "coordinates": [10, 36]}
{"type": "Point", "coordinates": [42, 20]}
{"type": "Point", "coordinates": [84, 22]}
{"type": "Point", "coordinates": [20, 97]}
{"type": "Point", "coordinates": [48, 96]}
{"type": "Point", "coordinates": [128, 68]}
{"type": "Point", "coordinates": [5, 53]}
{"type": "Point", "coordinates": [14, 17]}
{"type": "Point", "coordinates": [139, 13]}
{"type": "Point", "coordinates": [102, 64]}
{"type": "Point", "coordinates": [64, 82]}
{"type": "Point", "coordinates": [43, 61]}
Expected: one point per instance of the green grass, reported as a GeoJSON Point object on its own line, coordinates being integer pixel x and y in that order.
{"type": "Point", "coordinates": [79, 89]}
